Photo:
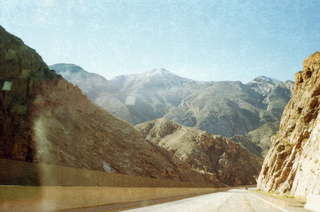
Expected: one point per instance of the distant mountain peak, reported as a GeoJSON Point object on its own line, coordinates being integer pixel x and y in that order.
{"type": "Point", "coordinates": [156, 74]}
{"type": "Point", "coordinates": [150, 73]}
{"type": "Point", "coordinates": [164, 74]}
{"type": "Point", "coordinates": [66, 67]}
{"type": "Point", "coordinates": [160, 71]}
{"type": "Point", "coordinates": [264, 79]}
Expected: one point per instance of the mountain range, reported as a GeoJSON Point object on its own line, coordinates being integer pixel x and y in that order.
{"type": "Point", "coordinates": [229, 108]}
{"type": "Point", "coordinates": [46, 119]}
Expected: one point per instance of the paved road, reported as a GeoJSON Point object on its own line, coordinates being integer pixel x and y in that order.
{"type": "Point", "coordinates": [237, 200]}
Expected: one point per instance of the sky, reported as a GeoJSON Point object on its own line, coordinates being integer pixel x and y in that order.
{"type": "Point", "coordinates": [208, 40]}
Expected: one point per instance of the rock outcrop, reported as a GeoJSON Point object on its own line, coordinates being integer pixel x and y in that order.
{"type": "Point", "coordinates": [292, 165]}
{"type": "Point", "coordinates": [206, 153]}
{"type": "Point", "coordinates": [46, 119]}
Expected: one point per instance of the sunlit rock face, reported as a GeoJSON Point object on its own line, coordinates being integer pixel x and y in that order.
{"type": "Point", "coordinates": [293, 163]}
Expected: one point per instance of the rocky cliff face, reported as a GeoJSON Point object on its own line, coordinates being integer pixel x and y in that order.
{"type": "Point", "coordinates": [292, 165]}
{"type": "Point", "coordinates": [46, 119]}
{"type": "Point", "coordinates": [214, 155]}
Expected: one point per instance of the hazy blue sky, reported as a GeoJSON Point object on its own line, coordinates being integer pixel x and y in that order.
{"type": "Point", "coordinates": [199, 39]}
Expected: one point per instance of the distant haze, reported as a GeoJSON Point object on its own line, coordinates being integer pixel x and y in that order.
{"type": "Point", "coordinates": [199, 39]}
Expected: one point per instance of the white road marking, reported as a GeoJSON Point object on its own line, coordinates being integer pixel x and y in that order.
{"type": "Point", "coordinates": [273, 205]}
{"type": "Point", "coordinates": [232, 200]}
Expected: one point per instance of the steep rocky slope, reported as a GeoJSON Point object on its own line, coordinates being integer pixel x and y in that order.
{"type": "Point", "coordinates": [206, 153]}
{"type": "Point", "coordinates": [21, 70]}
{"type": "Point", "coordinates": [292, 165]}
{"type": "Point", "coordinates": [96, 87]}
{"type": "Point", "coordinates": [92, 84]}
{"type": "Point", "coordinates": [46, 119]}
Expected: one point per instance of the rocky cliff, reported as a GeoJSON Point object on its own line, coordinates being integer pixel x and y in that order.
{"type": "Point", "coordinates": [292, 165]}
{"type": "Point", "coordinates": [206, 153]}
{"type": "Point", "coordinates": [46, 119]}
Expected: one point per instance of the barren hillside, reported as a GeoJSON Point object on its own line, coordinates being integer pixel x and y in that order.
{"type": "Point", "coordinates": [206, 153]}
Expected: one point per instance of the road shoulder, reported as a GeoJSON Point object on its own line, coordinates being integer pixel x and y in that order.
{"type": "Point", "coordinates": [283, 203]}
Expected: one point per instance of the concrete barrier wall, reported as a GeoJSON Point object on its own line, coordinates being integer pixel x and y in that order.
{"type": "Point", "coordinates": [52, 198]}
{"type": "Point", "coordinates": [66, 188]}
{"type": "Point", "coordinates": [23, 173]}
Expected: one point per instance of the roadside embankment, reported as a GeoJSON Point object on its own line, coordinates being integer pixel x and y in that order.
{"type": "Point", "coordinates": [41, 187]}
{"type": "Point", "coordinates": [22, 173]}
{"type": "Point", "coordinates": [52, 198]}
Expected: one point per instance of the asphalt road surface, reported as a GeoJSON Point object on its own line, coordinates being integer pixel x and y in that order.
{"type": "Point", "coordinates": [238, 200]}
